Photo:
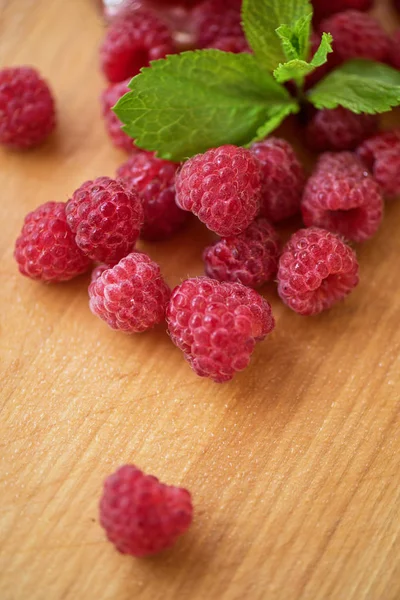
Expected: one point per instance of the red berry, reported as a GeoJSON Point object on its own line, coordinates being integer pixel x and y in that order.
{"type": "Point", "coordinates": [395, 49]}
{"type": "Point", "coordinates": [105, 217]}
{"type": "Point", "coordinates": [282, 178]}
{"type": "Point", "coordinates": [250, 258]}
{"type": "Point", "coordinates": [109, 98]}
{"type": "Point", "coordinates": [46, 248]}
{"type": "Point", "coordinates": [27, 113]}
{"type": "Point", "coordinates": [215, 19]}
{"type": "Point", "coordinates": [132, 43]}
{"type": "Point", "coordinates": [131, 296]}
{"type": "Point", "coordinates": [216, 325]}
{"type": "Point", "coordinates": [356, 35]}
{"type": "Point", "coordinates": [222, 187]}
{"type": "Point", "coordinates": [339, 129]}
{"type": "Point", "coordinates": [341, 196]}
{"type": "Point", "coordinates": [316, 270]}
{"type": "Point", "coordinates": [140, 515]}
{"type": "Point", "coordinates": [325, 8]}
{"type": "Point", "coordinates": [154, 180]}
{"type": "Point", "coordinates": [381, 154]}
{"type": "Point", "coordinates": [235, 44]}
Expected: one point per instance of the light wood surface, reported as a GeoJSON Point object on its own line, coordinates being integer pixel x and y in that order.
{"type": "Point", "coordinates": [294, 467]}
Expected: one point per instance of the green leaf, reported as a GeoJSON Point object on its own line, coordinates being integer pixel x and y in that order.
{"type": "Point", "coordinates": [295, 39]}
{"type": "Point", "coordinates": [359, 85]}
{"type": "Point", "coordinates": [262, 18]}
{"type": "Point", "coordinates": [275, 119]}
{"type": "Point", "coordinates": [297, 69]}
{"type": "Point", "coordinates": [193, 101]}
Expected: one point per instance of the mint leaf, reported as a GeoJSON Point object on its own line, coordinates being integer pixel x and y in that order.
{"type": "Point", "coordinates": [359, 85]}
{"type": "Point", "coordinates": [276, 117]}
{"type": "Point", "coordinates": [261, 19]}
{"type": "Point", "coordinates": [189, 102]}
{"type": "Point", "coordinates": [297, 69]}
{"type": "Point", "coordinates": [295, 39]}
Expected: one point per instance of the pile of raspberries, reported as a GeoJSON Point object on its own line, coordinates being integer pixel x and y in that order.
{"type": "Point", "coordinates": [240, 194]}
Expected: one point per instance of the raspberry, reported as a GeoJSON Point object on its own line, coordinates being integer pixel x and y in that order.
{"type": "Point", "coordinates": [27, 113]}
{"type": "Point", "coordinates": [154, 180]}
{"type": "Point", "coordinates": [395, 49]}
{"type": "Point", "coordinates": [250, 258]}
{"type": "Point", "coordinates": [316, 270]}
{"type": "Point", "coordinates": [105, 217]}
{"type": "Point", "coordinates": [140, 515]}
{"type": "Point", "coordinates": [132, 43]}
{"type": "Point", "coordinates": [216, 325]}
{"type": "Point", "coordinates": [215, 19]}
{"type": "Point", "coordinates": [235, 44]}
{"type": "Point", "coordinates": [109, 98]}
{"type": "Point", "coordinates": [381, 154]}
{"type": "Point", "coordinates": [356, 35]}
{"type": "Point", "coordinates": [222, 187]}
{"type": "Point", "coordinates": [339, 129]}
{"type": "Point", "coordinates": [131, 296]}
{"type": "Point", "coordinates": [342, 197]}
{"type": "Point", "coordinates": [282, 178]}
{"type": "Point", "coordinates": [325, 8]}
{"type": "Point", "coordinates": [46, 249]}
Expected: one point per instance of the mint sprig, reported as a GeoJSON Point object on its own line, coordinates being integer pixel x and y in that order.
{"type": "Point", "coordinates": [189, 102]}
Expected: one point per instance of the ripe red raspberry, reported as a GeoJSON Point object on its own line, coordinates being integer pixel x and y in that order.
{"type": "Point", "coordinates": [154, 181]}
{"type": "Point", "coordinates": [140, 515]}
{"type": "Point", "coordinates": [106, 218]}
{"type": "Point", "coordinates": [222, 187]}
{"type": "Point", "coordinates": [216, 325]}
{"type": "Point", "coordinates": [283, 178]}
{"type": "Point", "coordinates": [339, 129]}
{"type": "Point", "coordinates": [214, 19]}
{"type": "Point", "coordinates": [250, 258]}
{"type": "Point", "coordinates": [341, 196]}
{"type": "Point", "coordinates": [356, 35]}
{"type": "Point", "coordinates": [325, 8]}
{"type": "Point", "coordinates": [132, 43]}
{"type": "Point", "coordinates": [27, 113]}
{"type": "Point", "coordinates": [109, 98]}
{"type": "Point", "coordinates": [381, 154]}
{"type": "Point", "coordinates": [131, 296]}
{"type": "Point", "coordinates": [395, 49]}
{"type": "Point", "coordinates": [316, 270]}
{"type": "Point", "coordinates": [235, 44]}
{"type": "Point", "coordinates": [46, 248]}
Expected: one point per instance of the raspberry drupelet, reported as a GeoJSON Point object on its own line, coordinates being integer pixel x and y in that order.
{"type": "Point", "coordinates": [131, 43]}
{"type": "Point", "coordinates": [222, 187]}
{"type": "Point", "coordinates": [27, 110]}
{"type": "Point", "coordinates": [381, 155]}
{"type": "Point", "coordinates": [282, 180]}
{"type": "Point", "coordinates": [141, 515]}
{"type": "Point", "coordinates": [215, 19]}
{"type": "Point", "coordinates": [316, 270]}
{"type": "Point", "coordinates": [45, 249]}
{"type": "Point", "coordinates": [131, 296]}
{"type": "Point", "coordinates": [106, 218]}
{"type": "Point", "coordinates": [154, 180]}
{"type": "Point", "coordinates": [108, 99]}
{"type": "Point", "coordinates": [341, 196]}
{"type": "Point", "coordinates": [216, 325]}
{"type": "Point", "coordinates": [250, 258]}
{"type": "Point", "coordinates": [339, 129]}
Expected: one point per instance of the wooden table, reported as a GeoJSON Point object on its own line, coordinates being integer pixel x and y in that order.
{"type": "Point", "coordinates": [294, 466]}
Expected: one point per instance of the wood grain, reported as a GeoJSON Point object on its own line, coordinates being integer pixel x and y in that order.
{"type": "Point", "coordinates": [294, 466]}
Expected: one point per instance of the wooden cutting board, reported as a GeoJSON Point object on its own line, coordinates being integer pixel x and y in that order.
{"type": "Point", "coordinates": [294, 466]}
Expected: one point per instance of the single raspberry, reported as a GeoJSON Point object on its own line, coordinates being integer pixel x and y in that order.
{"type": "Point", "coordinates": [154, 181]}
{"type": "Point", "coordinates": [106, 218]}
{"type": "Point", "coordinates": [140, 515]}
{"type": "Point", "coordinates": [216, 325]}
{"type": "Point", "coordinates": [27, 112]}
{"type": "Point", "coordinates": [341, 196]}
{"type": "Point", "coordinates": [131, 296]}
{"type": "Point", "coordinates": [235, 44]}
{"type": "Point", "coordinates": [132, 43]}
{"type": "Point", "coordinates": [339, 129]}
{"type": "Point", "coordinates": [325, 8]}
{"type": "Point", "coordinates": [395, 49]}
{"type": "Point", "coordinates": [381, 154]}
{"type": "Point", "coordinates": [250, 258]}
{"type": "Point", "coordinates": [356, 35]}
{"type": "Point", "coordinates": [316, 270]}
{"type": "Point", "coordinates": [222, 187]}
{"type": "Point", "coordinates": [109, 98]}
{"type": "Point", "coordinates": [283, 178]}
{"type": "Point", "coordinates": [46, 248]}
{"type": "Point", "coordinates": [215, 19]}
